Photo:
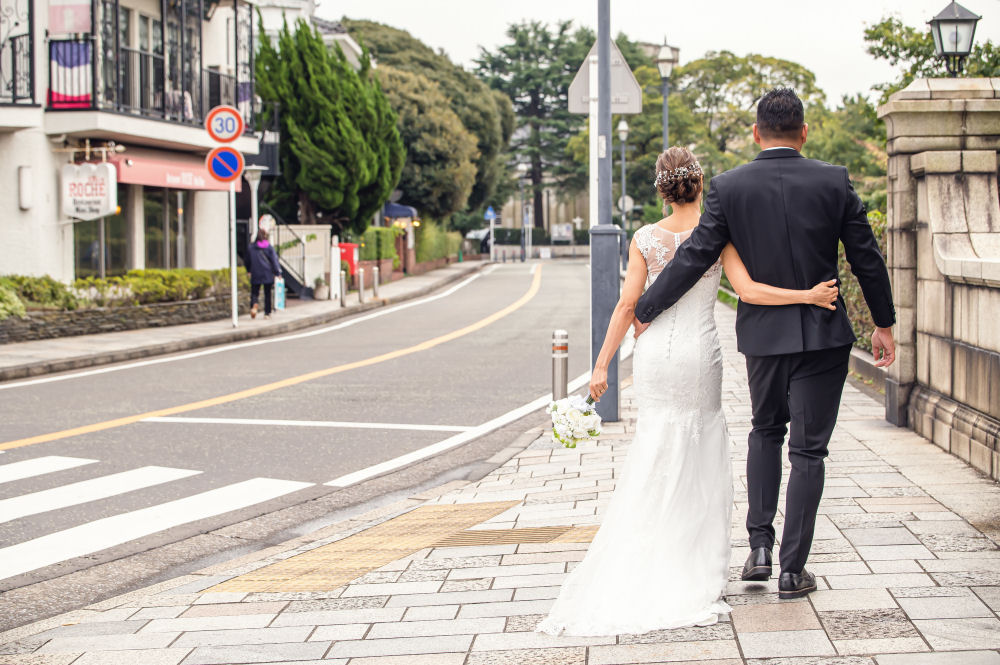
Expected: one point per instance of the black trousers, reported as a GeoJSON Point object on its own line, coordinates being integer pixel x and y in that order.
{"type": "Point", "coordinates": [803, 389]}
{"type": "Point", "coordinates": [268, 295]}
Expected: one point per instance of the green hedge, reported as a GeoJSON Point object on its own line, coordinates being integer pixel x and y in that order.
{"type": "Point", "coordinates": [10, 304]}
{"type": "Point", "coordinates": [142, 287]}
{"type": "Point", "coordinates": [433, 242]}
{"type": "Point", "coordinates": [507, 236]}
{"type": "Point", "coordinates": [378, 243]}
{"type": "Point", "coordinates": [40, 292]}
{"type": "Point", "coordinates": [857, 309]}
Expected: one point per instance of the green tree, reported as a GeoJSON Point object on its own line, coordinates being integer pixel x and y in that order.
{"type": "Point", "coordinates": [912, 51]}
{"type": "Point", "coordinates": [534, 69]}
{"type": "Point", "coordinates": [341, 154]}
{"type": "Point", "coordinates": [482, 113]}
{"type": "Point", "coordinates": [440, 166]}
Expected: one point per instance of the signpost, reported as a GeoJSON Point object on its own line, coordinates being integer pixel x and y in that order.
{"type": "Point", "coordinates": [491, 216]}
{"type": "Point", "coordinates": [603, 85]}
{"type": "Point", "coordinates": [225, 124]}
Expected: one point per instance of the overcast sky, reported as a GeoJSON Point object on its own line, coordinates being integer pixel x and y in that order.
{"type": "Point", "coordinates": [824, 35]}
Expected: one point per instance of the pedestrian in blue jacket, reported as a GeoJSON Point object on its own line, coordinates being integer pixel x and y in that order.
{"type": "Point", "coordinates": [262, 261]}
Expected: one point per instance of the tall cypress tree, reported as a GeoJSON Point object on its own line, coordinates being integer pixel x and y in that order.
{"type": "Point", "coordinates": [341, 154]}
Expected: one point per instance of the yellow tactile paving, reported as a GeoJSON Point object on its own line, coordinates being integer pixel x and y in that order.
{"type": "Point", "coordinates": [330, 566]}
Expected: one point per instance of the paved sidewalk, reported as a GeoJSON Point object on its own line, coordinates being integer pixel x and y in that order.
{"type": "Point", "coordinates": [905, 553]}
{"type": "Point", "coordinates": [65, 353]}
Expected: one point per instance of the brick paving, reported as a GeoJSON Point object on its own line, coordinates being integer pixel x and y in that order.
{"type": "Point", "coordinates": [905, 554]}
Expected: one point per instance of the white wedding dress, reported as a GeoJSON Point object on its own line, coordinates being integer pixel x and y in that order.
{"type": "Point", "coordinates": [661, 557]}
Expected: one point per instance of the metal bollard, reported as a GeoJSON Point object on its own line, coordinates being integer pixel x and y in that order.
{"type": "Point", "coordinates": [361, 285]}
{"type": "Point", "coordinates": [560, 364]}
{"type": "Point", "coordinates": [375, 274]}
{"type": "Point", "coordinates": [343, 288]}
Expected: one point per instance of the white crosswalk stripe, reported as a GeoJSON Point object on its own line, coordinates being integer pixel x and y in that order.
{"type": "Point", "coordinates": [88, 490]}
{"type": "Point", "coordinates": [39, 466]}
{"type": "Point", "coordinates": [118, 529]}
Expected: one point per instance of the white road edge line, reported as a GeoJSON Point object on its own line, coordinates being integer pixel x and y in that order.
{"type": "Point", "coordinates": [242, 345]}
{"type": "Point", "coordinates": [307, 423]}
{"type": "Point", "coordinates": [474, 433]}
{"type": "Point", "coordinates": [111, 531]}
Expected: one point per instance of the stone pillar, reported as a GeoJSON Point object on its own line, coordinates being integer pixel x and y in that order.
{"type": "Point", "coordinates": [944, 261]}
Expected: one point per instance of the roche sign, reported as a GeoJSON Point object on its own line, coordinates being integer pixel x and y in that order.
{"type": "Point", "coordinates": [89, 191]}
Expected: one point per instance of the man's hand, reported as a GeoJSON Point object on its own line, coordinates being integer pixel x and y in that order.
{"type": "Point", "coordinates": [883, 347]}
{"type": "Point", "coordinates": [639, 327]}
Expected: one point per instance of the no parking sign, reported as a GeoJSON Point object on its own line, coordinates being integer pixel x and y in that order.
{"type": "Point", "coordinates": [225, 164]}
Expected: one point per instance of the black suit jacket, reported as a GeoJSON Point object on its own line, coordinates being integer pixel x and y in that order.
{"type": "Point", "coordinates": [784, 214]}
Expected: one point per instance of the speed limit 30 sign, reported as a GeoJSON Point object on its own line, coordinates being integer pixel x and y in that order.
{"type": "Point", "coordinates": [224, 124]}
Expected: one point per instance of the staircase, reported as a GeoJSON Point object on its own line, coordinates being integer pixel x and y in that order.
{"type": "Point", "coordinates": [291, 250]}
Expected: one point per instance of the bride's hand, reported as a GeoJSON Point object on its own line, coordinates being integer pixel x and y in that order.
{"type": "Point", "coordinates": [823, 294]}
{"type": "Point", "coordinates": [598, 383]}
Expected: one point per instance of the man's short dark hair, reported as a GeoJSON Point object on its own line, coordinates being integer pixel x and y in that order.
{"type": "Point", "coordinates": [780, 114]}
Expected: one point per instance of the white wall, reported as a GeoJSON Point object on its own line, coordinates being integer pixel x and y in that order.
{"type": "Point", "coordinates": [38, 241]}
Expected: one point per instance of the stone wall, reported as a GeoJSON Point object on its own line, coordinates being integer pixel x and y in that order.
{"type": "Point", "coordinates": [944, 260]}
{"type": "Point", "coordinates": [48, 325]}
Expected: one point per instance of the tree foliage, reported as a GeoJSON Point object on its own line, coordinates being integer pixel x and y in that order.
{"type": "Point", "coordinates": [912, 51]}
{"type": "Point", "coordinates": [341, 153]}
{"type": "Point", "coordinates": [483, 114]}
{"type": "Point", "coordinates": [440, 169]}
{"type": "Point", "coordinates": [534, 70]}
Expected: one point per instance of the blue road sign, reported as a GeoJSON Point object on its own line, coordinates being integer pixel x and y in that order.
{"type": "Point", "coordinates": [225, 164]}
{"type": "Point", "coordinates": [490, 214]}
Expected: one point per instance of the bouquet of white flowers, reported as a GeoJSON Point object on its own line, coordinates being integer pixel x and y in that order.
{"type": "Point", "coordinates": [574, 419]}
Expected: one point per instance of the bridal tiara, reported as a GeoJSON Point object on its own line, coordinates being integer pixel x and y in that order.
{"type": "Point", "coordinates": [679, 173]}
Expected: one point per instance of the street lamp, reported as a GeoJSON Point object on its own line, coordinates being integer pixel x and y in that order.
{"type": "Point", "coordinates": [522, 170]}
{"type": "Point", "coordinates": [252, 174]}
{"type": "Point", "coordinates": [665, 61]}
{"type": "Point", "coordinates": [953, 31]}
{"type": "Point", "coordinates": [623, 137]}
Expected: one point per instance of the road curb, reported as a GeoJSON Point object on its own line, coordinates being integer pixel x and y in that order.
{"type": "Point", "coordinates": [41, 368]}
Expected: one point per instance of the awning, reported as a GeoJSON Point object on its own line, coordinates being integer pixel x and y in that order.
{"type": "Point", "coordinates": [175, 172]}
{"type": "Point", "coordinates": [395, 211]}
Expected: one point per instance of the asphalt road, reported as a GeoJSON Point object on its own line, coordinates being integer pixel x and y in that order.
{"type": "Point", "coordinates": [92, 474]}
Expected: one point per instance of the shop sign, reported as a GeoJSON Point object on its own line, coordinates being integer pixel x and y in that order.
{"type": "Point", "coordinates": [89, 191]}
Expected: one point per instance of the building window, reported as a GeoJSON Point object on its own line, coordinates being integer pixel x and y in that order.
{"type": "Point", "coordinates": [166, 212]}
{"type": "Point", "coordinates": [87, 243]}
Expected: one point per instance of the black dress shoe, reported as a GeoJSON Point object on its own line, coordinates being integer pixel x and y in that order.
{"type": "Point", "coordinates": [758, 565]}
{"type": "Point", "coordinates": [796, 585]}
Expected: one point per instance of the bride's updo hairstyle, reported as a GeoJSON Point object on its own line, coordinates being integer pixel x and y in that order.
{"type": "Point", "coordinates": [678, 176]}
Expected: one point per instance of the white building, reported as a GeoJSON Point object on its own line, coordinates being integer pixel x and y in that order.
{"type": "Point", "coordinates": [274, 13]}
{"type": "Point", "coordinates": [137, 73]}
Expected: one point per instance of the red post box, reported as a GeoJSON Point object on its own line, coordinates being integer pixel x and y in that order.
{"type": "Point", "coordinates": [349, 253]}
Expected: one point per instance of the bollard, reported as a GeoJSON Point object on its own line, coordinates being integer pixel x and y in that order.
{"type": "Point", "coordinates": [375, 274]}
{"type": "Point", "coordinates": [361, 285]}
{"type": "Point", "coordinates": [343, 288]}
{"type": "Point", "coordinates": [560, 364]}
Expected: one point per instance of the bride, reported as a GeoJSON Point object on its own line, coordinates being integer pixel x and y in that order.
{"type": "Point", "coordinates": [661, 557]}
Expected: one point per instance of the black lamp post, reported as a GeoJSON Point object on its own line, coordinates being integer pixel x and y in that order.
{"type": "Point", "coordinates": [953, 31]}
{"type": "Point", "coordinates": [665, 61]}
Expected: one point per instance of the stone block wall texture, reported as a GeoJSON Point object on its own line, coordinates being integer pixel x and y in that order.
{"type": "Point", "coordinates": [48, 325]}
{"type": "Point", "coordinates": [944, 261]}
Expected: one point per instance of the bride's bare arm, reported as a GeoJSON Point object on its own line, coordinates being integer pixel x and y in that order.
{"type": "Point", "coordinates": [823, 294]}
{"type": "Point", "coordinates": [621, 319]}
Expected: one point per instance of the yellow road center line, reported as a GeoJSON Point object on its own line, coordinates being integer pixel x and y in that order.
{"type": "Point", "coordinates": [536, 283]}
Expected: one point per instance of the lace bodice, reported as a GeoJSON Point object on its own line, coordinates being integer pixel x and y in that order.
{"type": "Point", "coordinates": [658, 246]}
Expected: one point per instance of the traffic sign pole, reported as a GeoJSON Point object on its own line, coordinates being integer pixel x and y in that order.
{"type": "Point", "coordinates": [234, 295]}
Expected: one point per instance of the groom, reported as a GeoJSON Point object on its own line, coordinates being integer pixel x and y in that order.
{"type": "Point", "coordinates": [785, 215]}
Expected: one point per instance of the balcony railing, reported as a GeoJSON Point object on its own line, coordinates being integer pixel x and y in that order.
{"type": "Point", "coordinates": [17, 72]}
{"type": "Point", "coordinates": [138, 83]}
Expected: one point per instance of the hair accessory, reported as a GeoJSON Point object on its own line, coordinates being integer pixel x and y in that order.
{"type": "Point", "coordinates": [680, 173]}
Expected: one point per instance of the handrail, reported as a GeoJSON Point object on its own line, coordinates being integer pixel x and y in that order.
{"type": "Point", "coordinates": [299, 241]}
